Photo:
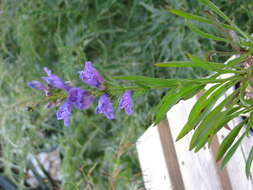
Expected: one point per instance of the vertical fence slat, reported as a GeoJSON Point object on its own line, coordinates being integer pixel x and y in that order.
{"type": "Point", "coordinates": [152, 161]}
{"type": "Point", "coordinates": [198, 169]}
{"type": "Point", "coordinates": [167, 164]}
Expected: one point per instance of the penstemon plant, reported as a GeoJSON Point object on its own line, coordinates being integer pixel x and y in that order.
{"type": "Point", "coordinates": [207, 116]}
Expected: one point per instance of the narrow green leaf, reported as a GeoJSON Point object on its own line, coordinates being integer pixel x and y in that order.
{"type": "Point", "coordinates": [231, 151]}
{"type": "Point", "coordinates": [228, 141]}
{"type": "Point", "coordinates": [197, 18]}
{"type": "Point", "coordinates": [190, 16]}
{"type": "Point", "coordinates": [249, 162]}
{"type": "Point", "coordinates": [192, 93]}
{"type": "Point", "coordinates": [217, 67]}
{"type": "Point", "coordinates": [215, 120]}
{"type": "Point", "coordinates": [205, 35]}
{"type": "Point", "coordinates": [165, 104]}
{"type": "Point", "coordinates": [171, 98]}
{"type": "Point", "coordinates": [230, 115]}
{"type": "Point", "coordinates": [203, 106]}
{"type": "Point", "coordinates": [177, 64]}
{"type": "Point", "coordinates": [238, 60]}
{"type": "Point", "coordinates": [151, 82]}
{"type": "Point", "coordinates": [211, 66]}
{"type": "Point", "coordinates": [220, 120]}
{"type": "Point", "coordinates": [196, 110]}
{"type": "Point", "coordinates": [212, 120]}
{"type": "Point", "coordinates": [215, 9]}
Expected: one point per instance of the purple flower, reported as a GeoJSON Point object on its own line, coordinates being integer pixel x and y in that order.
{"type": "Point", "coordinates": [91, 76]}
{"type": "Point", "coordinates": [54, 80]}
{"type": "Point", "coordinates": [36, 85]}
{"type": "Point", "coordinates": [64, 112]}
{"type": "Point", "coordinates": [80, 98]}
{"type": "Point", "coordinates": [126, 102]}
{"type": "Point", "coordinates": [105, 107]}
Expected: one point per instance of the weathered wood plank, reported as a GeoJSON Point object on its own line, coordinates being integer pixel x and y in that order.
{"type": "Point", "coordinates": [152, 161]}
{"type": "Point", "coordinates": [198, 169]}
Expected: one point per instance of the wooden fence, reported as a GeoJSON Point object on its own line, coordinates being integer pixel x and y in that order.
{"type": "Point", "coordinates": [167, 164]}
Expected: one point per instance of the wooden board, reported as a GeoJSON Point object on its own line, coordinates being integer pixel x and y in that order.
{"type": "Point", "coordinates": [167, 164]}
{"type": "Point", "coordinates": [152, 161]}
{"type": "Point", "coordinates": [196, 168]}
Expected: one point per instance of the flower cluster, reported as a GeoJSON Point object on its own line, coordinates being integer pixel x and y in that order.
{"type": "Point", "coordinates": [82, 99]}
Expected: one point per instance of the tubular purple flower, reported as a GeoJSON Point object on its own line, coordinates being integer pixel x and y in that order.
{"type": "Point", "coordinates": [80, 98]}
{"type": "Point", "coordinates": [91, 76]}
{"type": "Point", "coordinates": [105, 107]}
{"type": "Point", "coordinates": [64, 112]}
{"type": "Point", "coordinates": [126, 102]}
{"type": "Point", "coordinates": [36, 85]}
{"type": "Point", "coordinates": [54, 80]}
{"type": "Point", "coordinates": [85, 101]}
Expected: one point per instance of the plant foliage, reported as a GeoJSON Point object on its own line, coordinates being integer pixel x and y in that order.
{"type": "Point", "coordinates": [211, 113]}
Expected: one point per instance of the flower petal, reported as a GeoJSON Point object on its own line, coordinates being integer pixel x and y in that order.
{"type": "Point", "coordinates": [80, 98]}
{"type": "Point", "coordinates": [91, 76]}
{"type": "Point", "coordinates": [55, 81]}
{"type": "Point", "coordinates": [126, 102]}
{"type": "Point", "coordinates": [36, 85]}
{"type": "Point", "coordinates": [64, 112]}
{"type": "Point", "coordinates": [105, 107]}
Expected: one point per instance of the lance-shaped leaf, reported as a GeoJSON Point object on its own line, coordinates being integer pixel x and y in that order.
{"type": "Point", "coordinates": [228, 141]}
{"type": "Point", "coordinates": [197, 18]}
{"type": "Point", "coordinates": [238, 60]}
{"type": "Point", "coordinates": [211, 66]}
{"type": "Point", "coordinates": [217, 67]}
{"type": "Point", "coordinates": [172, 97]}
{"type": "Point", "coordinates": [215, 9]}
{"type": "Point", "coordinates": [152, 82]}
{"type": "Point", "coordinates": [220, 121]}
{"type": "Point", "coordinates": [249, 162]}
{"type": "Point", "coordinates": [190, 16]}
{"type": "Point", "coordinates": [203, 106]}
{"type": "Point", "coordinates": [195, 112]}
{"type": "Point", "coordinates": [204, 34]}
{"type": "Point", "coordinates": [231, 151]}
{"type": "Point", "coordinates": [213, 119]}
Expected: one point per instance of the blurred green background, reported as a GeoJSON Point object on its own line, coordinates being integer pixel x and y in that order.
{"type": "Point", "coordinates": [121, 37]}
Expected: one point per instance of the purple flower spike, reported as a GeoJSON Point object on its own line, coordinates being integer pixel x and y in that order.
{"type": "Point", "coordinates": [54, 80]}
{"type": "Point", "coordinates": [91, 76]}
{"type": "Point", "coordinates": [80, 98]}
{"type": "Point", "coordinates": [64, 112]}
{"type": "Point", "coordinates": [37, 85]}
{"type": "Point", "coordinates": [126, 102]}
{"type": "Point", "coordinates": [105, 107]}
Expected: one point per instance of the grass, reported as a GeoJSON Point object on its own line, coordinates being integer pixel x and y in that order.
{"type": "Point", "coordinates": [121, 38]}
